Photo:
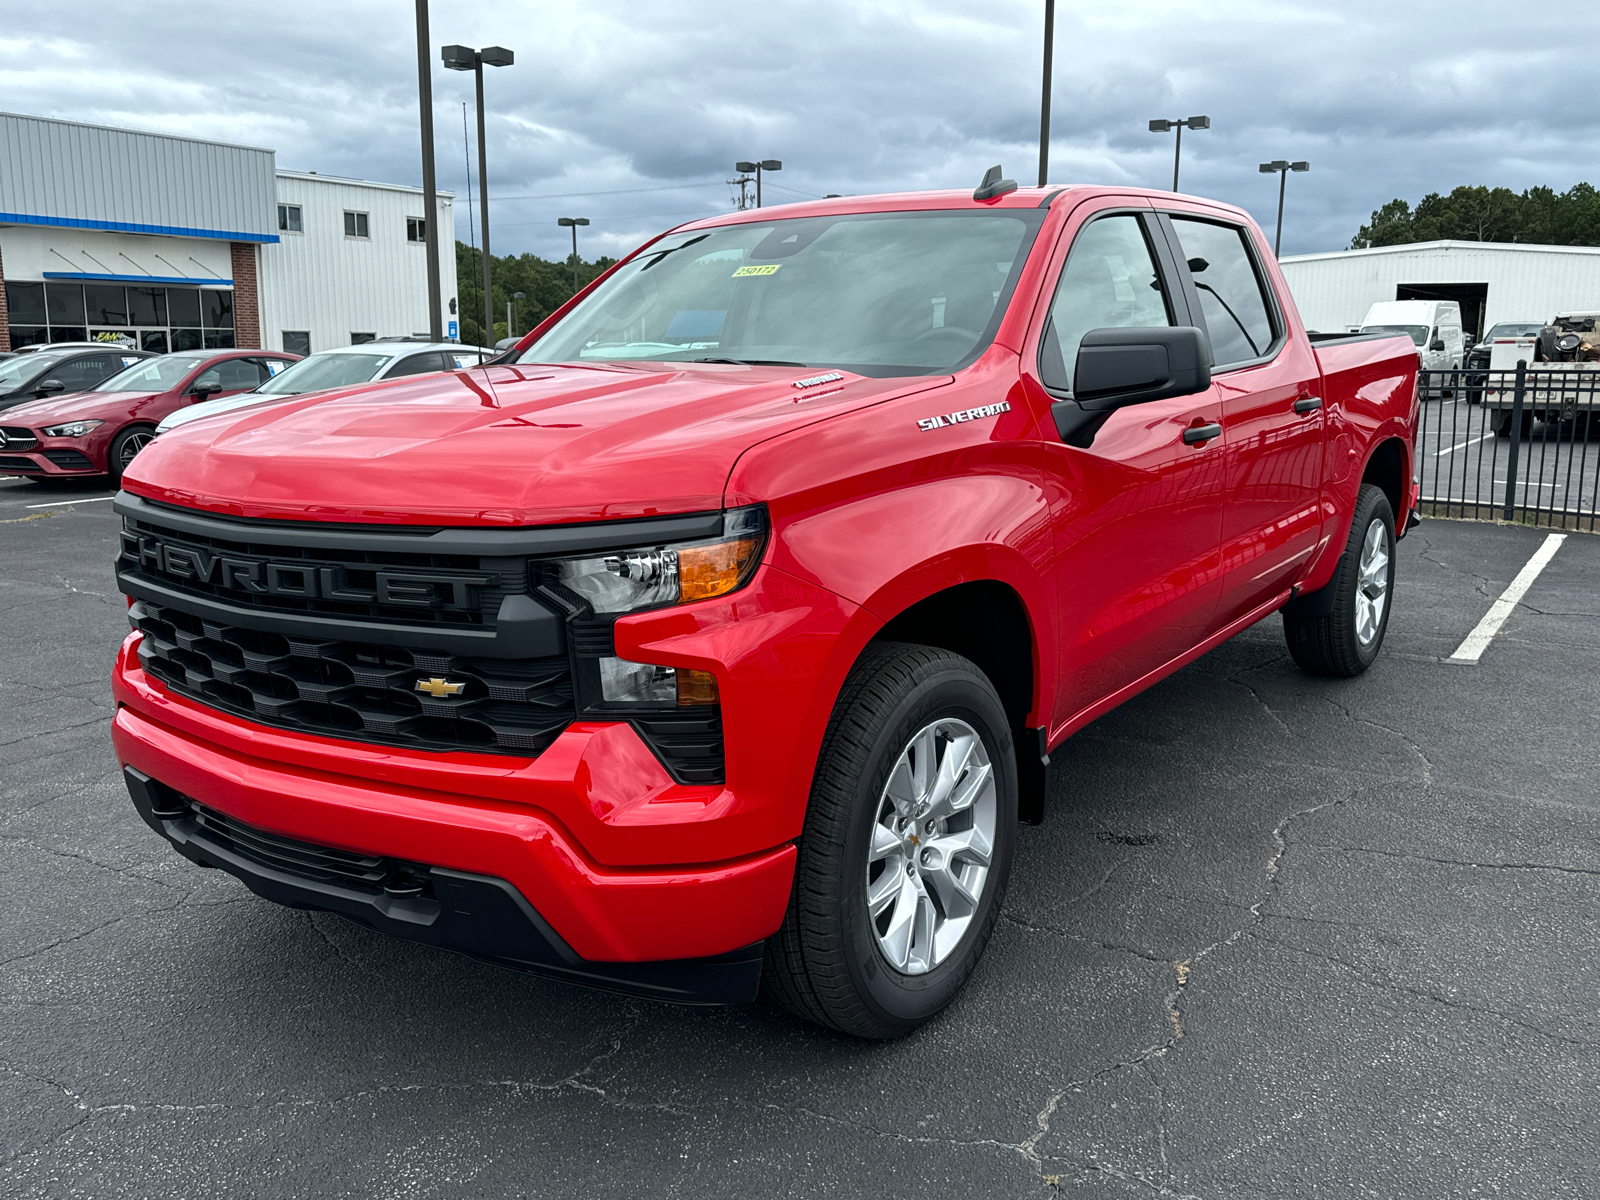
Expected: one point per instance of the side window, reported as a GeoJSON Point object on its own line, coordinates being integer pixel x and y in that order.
{"type": "Point", "coordinates": [208, 380]}
{"type": "Point", "coordinates": [1231, 299]}
{"type": "Point", "coordinates": [1110, 281]}
{"type": "Point", "coordinates": [417, 364]}
{"type": "Point", "coordinates": [80, 374]}
{"type": "Point", "coordinates": [239, 373]}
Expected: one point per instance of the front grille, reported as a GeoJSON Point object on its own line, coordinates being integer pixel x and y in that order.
{"type": "Point", "coordinates": [356, 690]}
{"type": "Point", "coordinates": [19, 437]}
{"type": "Point", "coordinates": [393, 586]}
{"type": "Point", "coordinates": [10, 462]}
{"type": "Point", "coordinates": [364, 872]}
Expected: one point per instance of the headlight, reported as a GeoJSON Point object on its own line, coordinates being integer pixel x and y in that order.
{"type": "Point", "coordinates": [72, 429]}
{"type": "Point", "coordinates": [628, 580]}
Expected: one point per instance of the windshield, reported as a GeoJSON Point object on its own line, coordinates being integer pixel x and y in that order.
{"type": "Point", "coordinates": [16, 371]}
{"type": "Point", "coordinates": [325, 370]}
{"type": "Point", "coordinates": [1417, 333]}
{"type": "Point", "coordinates": [152, 375]}
{"type": "Point", "coordinates": [880, 293]}
{"type": "Point", "coordinates": [1521, 329]}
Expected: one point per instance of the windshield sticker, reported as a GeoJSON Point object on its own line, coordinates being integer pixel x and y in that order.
{"type": "Point", "coordinates": [967, 414]}
{"type": "Point", "coordinates": [765, 269]}
{"type": "Point", "coordinates": [128, 362]}
{"type": "Point", "coordinates": [273, 366]}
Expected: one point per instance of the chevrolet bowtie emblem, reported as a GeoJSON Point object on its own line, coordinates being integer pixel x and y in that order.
{"type": "Point", "coordinates": [440, 688]}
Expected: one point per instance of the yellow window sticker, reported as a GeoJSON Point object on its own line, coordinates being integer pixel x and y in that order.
{"type": "Point", "coordinates": [767, 269]}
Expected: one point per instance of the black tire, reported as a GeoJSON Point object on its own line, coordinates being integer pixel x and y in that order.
{"type": "Point", "coordinates": [132, 438]}
{"type": "Point", "coordinates": [825, 963]}
{"type": "Point", "coordinates": [1330, 645]}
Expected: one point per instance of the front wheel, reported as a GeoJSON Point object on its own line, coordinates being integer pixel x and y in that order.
{"type": "Point", "coordinates": [907, 846]}
{"type": "Point", "coordinates": [124, 447]}
{"type": "Point", "coordinates": [1346, 640]}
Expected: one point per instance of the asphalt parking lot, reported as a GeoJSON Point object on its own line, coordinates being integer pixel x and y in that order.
{"type": "Point", "coordinates": [1278, 937]}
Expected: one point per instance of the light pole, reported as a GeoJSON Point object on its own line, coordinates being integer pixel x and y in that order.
{"type": "Point", "coordinates": [572, 223]}
{"type": "Point", "coordinates": [465, 58]}
{"type": "Point", "coordinates": [430, 198]}
{"type": "Point", "coordinates": [766, 164]}
{"type": "Point", "coordinates": [1044, 102]}
{"type": "Point", "coordinates": [1180, 125]}
{"type": "Point", "coordinates": [1282, 168]}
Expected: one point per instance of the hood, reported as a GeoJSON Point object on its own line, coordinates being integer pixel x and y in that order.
{"type": "Point", "coordinates": [73, 406]}
{"type": "Point", "coordinates": [516, 445]}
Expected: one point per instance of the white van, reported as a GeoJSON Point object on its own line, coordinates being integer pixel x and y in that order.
{"type": "Point", "coordinates": [1434, 325]}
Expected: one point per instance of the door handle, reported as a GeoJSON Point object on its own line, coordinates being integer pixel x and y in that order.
{"type": "Point", "coordinates": [1307, 404]}
{"type": "Point", "coordinates": [1201, 433]}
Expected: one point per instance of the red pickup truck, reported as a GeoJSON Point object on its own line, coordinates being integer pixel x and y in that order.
{"type": "Point", "coordinates": [714, 638]}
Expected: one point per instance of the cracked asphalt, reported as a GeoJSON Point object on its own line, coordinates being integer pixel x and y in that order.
{"type": "Point", "coordinates": [1278, 937]}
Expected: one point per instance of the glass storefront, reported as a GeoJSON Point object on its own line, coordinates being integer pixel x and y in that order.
{"type": "Point", "coordinates": [153, 318]}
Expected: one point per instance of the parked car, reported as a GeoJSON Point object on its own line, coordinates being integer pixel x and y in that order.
{"type": "Point", "coordinates": [1435, 327]}
{"type": "Point", "coordinates": [1478, 357]}
{"type": "Point", "coordinates": [57, 370]}
{"type": "Point", "coordinates": [343, 366]}
{"type": "Point", "coordinates": [1563, 358]}
{"type": "Point", "coordinates": [720, 632]}
{"type": "Point", "coordinates": [98, 431]}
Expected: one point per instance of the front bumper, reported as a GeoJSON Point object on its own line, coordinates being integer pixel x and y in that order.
{"type": "Point", "coordinates": [54, 456]}
{"type": "Point", "coordinates": [477, 915]}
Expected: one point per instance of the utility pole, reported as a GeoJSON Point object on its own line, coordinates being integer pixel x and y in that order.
{"type": "Point", "coordinates": [766, 164]}
{"type": "Point", "coordinates": [1044, 94]}
{"type": "Point", "coordinates": [572, 223]}
{"type": "Point", "coordinates": [430, 198]}
{"type": "Point", "coordinates": [465, 58]}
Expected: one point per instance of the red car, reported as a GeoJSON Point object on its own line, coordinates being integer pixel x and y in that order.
{"type": "Point", "coordinates": [716, 635]}
{"type": "Point", "coordinates": [98, 432]}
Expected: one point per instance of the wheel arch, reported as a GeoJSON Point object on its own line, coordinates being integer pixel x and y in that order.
{"type": "Point", "coordinates": [1386, 469]}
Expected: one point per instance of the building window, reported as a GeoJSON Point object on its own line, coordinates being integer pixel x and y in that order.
{"type": "Point", "coordinates": [289, 218]}
{"type": "Point", "coordinates": [361, 339]}
{"type": "Point", "coordinates": [297, 341]}
{"type": "Point", "coordinates": [355, 224]}
{"type": "Point", "coordinates": [152, 318]}
{"type": "Point", "coordinates": [416, 229]}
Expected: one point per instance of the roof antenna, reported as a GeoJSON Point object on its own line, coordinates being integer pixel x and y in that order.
{"type": "Point", "coordinates": [993, 185]}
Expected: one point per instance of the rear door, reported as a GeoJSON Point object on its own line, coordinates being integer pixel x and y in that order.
{"type": "Point", "coordinates": [1267, 382]}
{"type": "Point", "coordinates": [1137, 511]}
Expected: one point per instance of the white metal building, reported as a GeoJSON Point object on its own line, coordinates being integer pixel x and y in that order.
{"type": "Point", "coordinates": [1493, 281]}
{"type": "Point", "coordinates": [179, 243]}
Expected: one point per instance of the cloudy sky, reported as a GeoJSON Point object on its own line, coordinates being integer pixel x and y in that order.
{"type": "Point", "coordinates": [633, 114]}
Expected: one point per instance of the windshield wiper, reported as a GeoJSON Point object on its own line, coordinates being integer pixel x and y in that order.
{"type": "Point", "coordinates": [658, 255]}
{"type": "Point", "coordinates": [749, 362]}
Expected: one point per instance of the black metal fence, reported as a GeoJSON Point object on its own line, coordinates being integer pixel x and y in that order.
{"type": "Point", "coordinates": [1520, 445]}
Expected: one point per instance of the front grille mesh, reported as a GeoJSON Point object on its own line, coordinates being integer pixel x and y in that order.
{"type": "Point", "coordinates": [18, 437]}
{"type": "Point", "coordinates": [70, 460]}
{"type": "Point", "coordinates": [356, 690]}
{"type": "Point", "coordinates": [11, 462]}
{"type": "Point", "coordinates": [365, 872]}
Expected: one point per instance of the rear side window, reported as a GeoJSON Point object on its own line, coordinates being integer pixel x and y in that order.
{"type": "Point", "coordinates": [417, 364]}
{"type": "Point", "coordinates": [1110, 281]}
{"type": "Point", "coordinates": [1231, 297]}
{"type": "Point", "coordinates": [230, 375]}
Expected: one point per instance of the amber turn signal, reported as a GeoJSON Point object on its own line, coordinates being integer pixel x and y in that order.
{"type": "Point", "coordinates": [696, 687]}
{"type": "Point", "coordinates": [706, 571]}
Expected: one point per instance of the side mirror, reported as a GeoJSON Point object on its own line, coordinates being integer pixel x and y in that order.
{"type": "Point", "coordinates": [1119, 367]}
{"type": "Point", "coordinates": [201, 394]}
{"type": "Point", "coordinates": [1436, 344]}
{"type": "Point", "coordinates": [49, 387]}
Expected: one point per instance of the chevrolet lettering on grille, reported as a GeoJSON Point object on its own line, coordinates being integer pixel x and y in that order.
{"type": "Point", "coordinates": [251, 575]}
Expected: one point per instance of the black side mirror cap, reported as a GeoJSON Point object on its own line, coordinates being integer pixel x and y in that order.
{"type": "Point", "coordinates": [49, 387]}
{"type": "Point", "coordinates": [1117, 367]}
{"type": "Point", "coordinates": [1438, 344]}
{"type": "Point", "coordinates": [203, 393]}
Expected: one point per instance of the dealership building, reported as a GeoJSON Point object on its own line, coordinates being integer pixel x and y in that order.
{"type": "Point", "coordinates": [1492, 281]}
{"type": "Point", "coordinates": [175, 243]}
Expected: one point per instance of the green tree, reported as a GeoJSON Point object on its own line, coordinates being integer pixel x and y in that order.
{"type": "Point", "coordinates": [545, 285]}
{"type": "Point", "coordinates": [1539, 215]}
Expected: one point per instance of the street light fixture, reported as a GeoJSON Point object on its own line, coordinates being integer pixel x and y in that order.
{"type": "Point", "coordinates": [510, 321]}
{"type": "Point", "coordinates": [1180, 125]}
{"type": "Point", "coordinates": [1282, 168]}
{"type": "Point", "coordinates": [766, 164]}
{"type": "Point", "coordinates": [465, 58]}
{"type": "Point", "coordinates": [572, 223]}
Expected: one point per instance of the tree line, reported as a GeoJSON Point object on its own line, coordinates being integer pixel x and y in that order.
{"type": "Point", "coordinates": [545, 285]}
{"type": "Point", "coordinates": [1540, 216]}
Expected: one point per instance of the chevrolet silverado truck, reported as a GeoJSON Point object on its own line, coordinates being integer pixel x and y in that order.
{"type": "Point", "coordinates": [713, 639]}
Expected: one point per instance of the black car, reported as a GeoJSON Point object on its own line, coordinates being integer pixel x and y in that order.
{"type": "Point", "coordinates": [54, 372]}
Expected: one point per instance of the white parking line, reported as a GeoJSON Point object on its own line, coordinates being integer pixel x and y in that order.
{"type": "Point", "coordinates": [1471, 650]}
{"type": "Point", "coordinates": [61, 503]}
{"type": "Point", "coordinates": [1463, 445]}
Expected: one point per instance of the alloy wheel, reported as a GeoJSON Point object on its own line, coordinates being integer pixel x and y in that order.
{"type": "Point", "coordinates": [131, 445]}
{"type": "Point", "coordinates": [1372, 589]}
{"type": "Point", "coordinates": [932, 841]}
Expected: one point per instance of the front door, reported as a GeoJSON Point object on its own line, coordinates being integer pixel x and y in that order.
{"type": "Point", "coordinates": [1267, 384]}
{"type": "Point", "coordinates": [1138, 510]}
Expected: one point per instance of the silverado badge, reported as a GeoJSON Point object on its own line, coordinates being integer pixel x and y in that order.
{"type": "Point", "coordinates": [966, 414]}
{"type": "Point", "coordinates": [440, 688]}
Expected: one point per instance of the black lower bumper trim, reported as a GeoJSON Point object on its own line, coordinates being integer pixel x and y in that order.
{"type": "Point", "coordinates": [477, 915]}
